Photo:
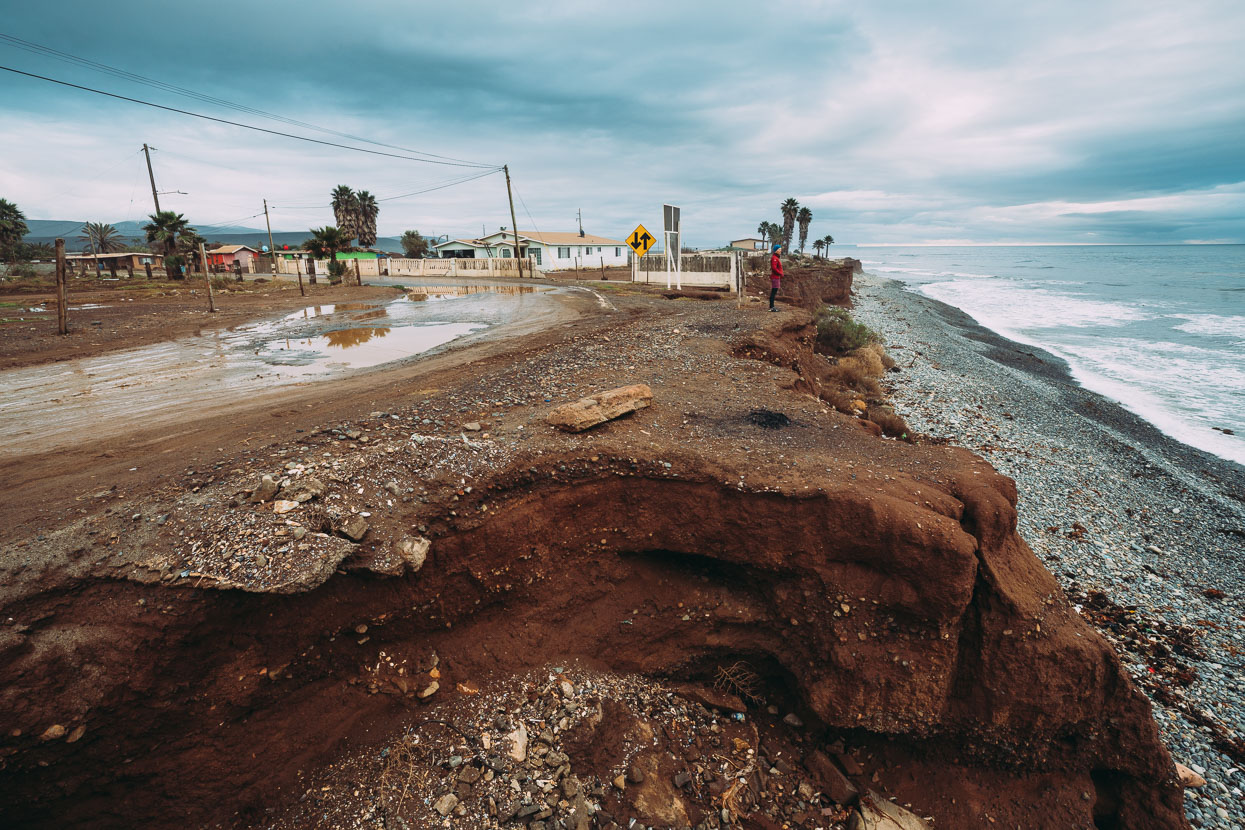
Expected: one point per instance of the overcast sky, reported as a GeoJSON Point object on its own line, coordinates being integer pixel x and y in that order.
{"type": "Point", "coordinates": [894, 122]}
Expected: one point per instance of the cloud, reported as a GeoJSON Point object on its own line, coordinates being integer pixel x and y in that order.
{"type": "Point", "coordinates": [905, 123]}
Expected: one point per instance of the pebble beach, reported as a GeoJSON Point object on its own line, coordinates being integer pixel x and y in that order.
{"type": "Point", "coordinates": [1146, 534]}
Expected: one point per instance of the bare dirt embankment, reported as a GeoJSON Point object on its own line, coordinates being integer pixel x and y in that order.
{"type": "Point", "coordinates": [178, 653]}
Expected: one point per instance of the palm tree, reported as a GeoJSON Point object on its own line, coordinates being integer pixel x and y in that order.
{"type": "Point", "coordinates": [789, 210]}
{"type": "Point", "coordinates": [12, 228]}
{"type": "Point", "coordinates": [827, 240]}
{"type": "Point", "coordinates": [818, 245]}
{"type": "Point", "coordinates": [414, 244]}
{"type": "Point", "coordinates": [368, 211]}
{"type": "Point", "coordinates": [165, 227]}
{"type": "Point", "coordinates": [324, 244]}
{"type": "Point", "coordinates": [103, 239]}
{"type": "Point", "coordinates": [188, 247]}
{"type": "Point", "coordinates": [763, 229]}
{"type": "Point", "coordinates": [346, 212]}
{"type": "Point", "coordinates": [803, 218]}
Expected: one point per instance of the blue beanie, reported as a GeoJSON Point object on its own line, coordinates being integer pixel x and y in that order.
{"type": "Point", "coordinates": [775, 249]}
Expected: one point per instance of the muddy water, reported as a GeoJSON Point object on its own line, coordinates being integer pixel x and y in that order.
{"type": "Point", "coordinates": [79, 401]}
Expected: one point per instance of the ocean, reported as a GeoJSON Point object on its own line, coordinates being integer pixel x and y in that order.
{"type": "Point", "coordinates": [1159, 329]}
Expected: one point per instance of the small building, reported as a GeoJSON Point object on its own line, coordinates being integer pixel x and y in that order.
{"type": "Point", "coordinates": [126, 260]}
{"type": "Point", "coordinates": [750, 243]}
{"type": "Point", "coordinates": [549, 250]}
{"type": "Point", "coordinates": [223, 258]}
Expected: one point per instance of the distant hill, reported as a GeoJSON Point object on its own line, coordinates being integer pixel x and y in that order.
{"type": "Point", "coordinates": [47, 230]}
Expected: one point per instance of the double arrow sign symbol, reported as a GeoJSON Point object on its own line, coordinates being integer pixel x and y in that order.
{"type": "Point", "coordinates": [638, 241]}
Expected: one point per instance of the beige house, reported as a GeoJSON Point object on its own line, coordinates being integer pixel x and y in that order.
{"type": "Point", "coordinates": [750, 243]}
{"type": "Point", "coordinates": [548, 250]}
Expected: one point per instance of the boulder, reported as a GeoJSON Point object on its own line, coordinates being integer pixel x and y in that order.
{"type": "Point", "coordinates": [354, 528]}
{"type": "Point", "coordinates": [1189, 778]}
{"type": "Point", "coordinates": [413, 550]}
{"type": "Point", "coordinates": [304, 490]}
{"type": "Point", "coordinates": [266, 490]}
{"type": "Point", "coordinates": [604, 406]}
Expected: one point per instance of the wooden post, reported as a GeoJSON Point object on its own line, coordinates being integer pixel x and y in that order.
{"type": "Point", "coordinates": [602, 268]}
{"type": "Point", "coordinates": [147, 265]}
{"type": "Point", "coordinates": [207, 277]}
{"type": "Point", "coordinates": [62, 311]}
{"type": "Point", "coordinates": [358, 277]}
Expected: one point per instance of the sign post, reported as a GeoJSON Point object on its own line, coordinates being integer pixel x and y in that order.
{"type": "Point", "coordinates": [639, 242]}
{"type": "Point", "coordinates": [670, 215]}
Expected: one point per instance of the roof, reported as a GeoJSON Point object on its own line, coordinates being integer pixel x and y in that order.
{"type": "Point", "coordinates": [475, 243]}
{"type": "Point", "coordinates": [232, 249]}
{"type": "Point", "coordinates": [111, 256]}
{"type": "Point", "coordinates": [748, 239]}
{"type": "Point", "coordinates": [555, 238]}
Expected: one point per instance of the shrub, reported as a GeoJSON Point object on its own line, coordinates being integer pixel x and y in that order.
{"type": "Point", "coordinates": [221, 283]}
{"type": "Point", "coordinates": [891, 424]}
{"type": "Point", "coordinates": [838, 333]}
{"type": "Point", "coordinates": [22, 270]}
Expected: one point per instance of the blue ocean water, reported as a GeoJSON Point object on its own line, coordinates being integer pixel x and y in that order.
{"type": "Point", "coordinates": [1159, 329]}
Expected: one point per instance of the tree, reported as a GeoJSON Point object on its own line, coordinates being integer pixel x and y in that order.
{"type": "Point", "coordinates": [324, 244]}
{"type": "Point", "coordinates": [827, 241]}
{"type": "Point", "coordinates": [763, 229]}
{"type": "Point", "coordinates": [789, 210]}
{"type": "Point", "coordinates": [803, 218]}
{"type": "Point", "coordinates": [414, 245]}
{"type": "Point", "coordinates": [164, 228]}
{"type": "Point", "coordinates": [12, 228]}
{"type": "Point", "coordinates": [368, 211]}
{"type": "Point", "coordinates": [346, 212]}
{"type": "Point", "coordinates": [102, 238]}
{"type": "Point", "coordinates": [35, 250]}
{"type": "Point", "coordinates": [818, 245]}
{"type": "Point", "coordinates": [188, 246]}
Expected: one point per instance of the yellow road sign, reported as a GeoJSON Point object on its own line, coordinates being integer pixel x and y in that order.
{"type": "Point", "coordinates": [641, 240]}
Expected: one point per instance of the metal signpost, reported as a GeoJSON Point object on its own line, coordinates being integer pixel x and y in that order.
{"type": "Point", "coordinates": [639, 241]}
{"type": "Point", "coordinates": [670, 214]}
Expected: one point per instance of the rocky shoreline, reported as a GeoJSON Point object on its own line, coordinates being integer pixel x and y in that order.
{"type": "Point", "coordinates": [1145, 534]}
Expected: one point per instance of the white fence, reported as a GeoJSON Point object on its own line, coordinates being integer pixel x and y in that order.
{"type": "Point", "coordinates": [489, 267]}
{"type": "Point", "coordinates": [709, 270]}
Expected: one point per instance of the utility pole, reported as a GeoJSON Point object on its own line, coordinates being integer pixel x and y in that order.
{"type": "Point", "coordinates": [518, 259]}
{"type": "Point", "coordinates": [272, 251]}
{"type": "Point", "coordinates": [154, 197]}
{"type": "Point", "coordinates": [579, 217]}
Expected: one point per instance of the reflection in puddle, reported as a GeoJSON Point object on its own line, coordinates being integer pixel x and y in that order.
{"type": "Point", "coordinates": [359, 348]}
{"type": "Point", "coordinates": [421, 293]}
{"type": "Point", "coordinates": [345, 338]}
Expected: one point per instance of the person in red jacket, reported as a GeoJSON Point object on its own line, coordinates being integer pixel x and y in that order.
{"type": "Point", "coordinates": [775, 275]}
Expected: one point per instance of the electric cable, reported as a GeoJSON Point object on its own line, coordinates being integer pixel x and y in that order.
{"type": "Point", "coordinates": [238, 123]}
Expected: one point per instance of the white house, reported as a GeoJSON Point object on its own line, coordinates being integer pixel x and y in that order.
{"type": "Point", "coordinates": [550, 251]}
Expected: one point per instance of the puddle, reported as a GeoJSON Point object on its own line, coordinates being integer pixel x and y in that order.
{"type": "Point", "coordinates": [358, 348]}
{"type": "Point", "coordinates": [91, 398]}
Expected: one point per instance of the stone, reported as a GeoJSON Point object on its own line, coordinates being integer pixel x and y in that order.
{"type": "Point", "coordinates": [876, 813]}
{"type": "Point", "coordinates": [445, 804]}
{"type": "Point", "coordinates": [413, 550]}
{"type": "Point", "coordinates": [792, 719]}
{"type": "Point", "coordinates": [76, 735]}
{"type": "Point", "coordinates": [518, 743]}
{"type": "Point", "coordinates": [604, 406]}
{"type": "Point", "coordinates": [1189, 778]}
{"type": "Point", "coordinates": [833, 782]}
{"type": "Point", "coordinates": [354, 528]}
{"type": "Point", "coordinates": [635, 775]}
{"type": "Point", "coordinates": [284, 506]}
{"type": "Point", "coordinates": [620, 782]}
{"type": "Point", "coordinates": [429, 690]}
{"type": "Point", "coordinates": [266, 490]}
{"type": "Point", "coordinates": [53, 732]}
{"type": "Point", "coordinates": [305, 489]}
{"type": "Point", "coordinates": [474, 426]}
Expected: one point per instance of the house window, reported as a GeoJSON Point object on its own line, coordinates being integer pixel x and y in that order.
{"type": "Point", "coordinates": [564, 253]}
{"type": "Point", "coordinates": [505, 252]}
{"type": "Point", "coordinates": [534, 253]}
{"type": "Point", "coordinates": [618, 252]}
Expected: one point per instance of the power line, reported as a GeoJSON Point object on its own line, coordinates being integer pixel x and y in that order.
{"type": "Point", "coordinates": [400, 196]}
{"type": "Point", "coordinates": [238, 123]}
{"type": "Point", "coordinates": [209, 99]}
